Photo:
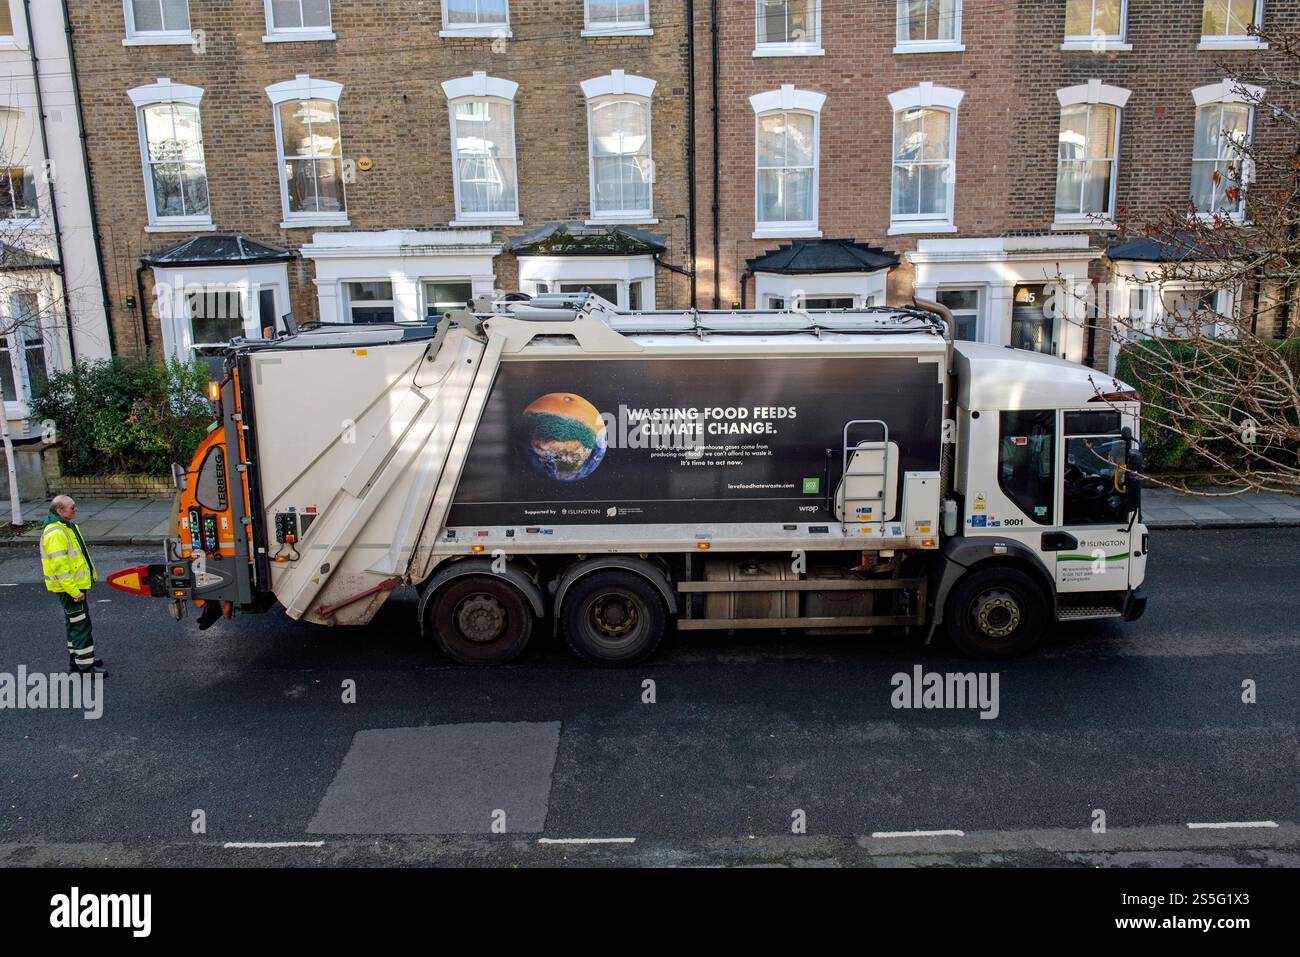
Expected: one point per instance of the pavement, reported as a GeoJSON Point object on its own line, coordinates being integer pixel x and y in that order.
{"type": "Point", "coordinates": [142, 521]}
{"type": "Point", "coordinates": [266, 740]}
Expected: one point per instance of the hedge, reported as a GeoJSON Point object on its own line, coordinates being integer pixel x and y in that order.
{"type": "Point", "coordinates": [125, 415]}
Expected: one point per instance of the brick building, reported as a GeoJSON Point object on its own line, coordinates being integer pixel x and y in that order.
{"type": "Point", "coordinates": [365, 161]}
{"type": "Point", "coordinates": [985, 144]}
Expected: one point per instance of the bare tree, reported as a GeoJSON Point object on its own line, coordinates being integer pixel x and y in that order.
{"type": "Point", "coordinates": [1210, 353]}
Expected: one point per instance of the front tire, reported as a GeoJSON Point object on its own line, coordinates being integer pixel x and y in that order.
{"type": "Point", "coordinates": [480, 620]}
{"type": "Point", "coordinates": [995, 613]}
{"type": "Point", "coordinates": [613, 618]}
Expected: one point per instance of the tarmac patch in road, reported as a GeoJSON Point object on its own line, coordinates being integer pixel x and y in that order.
{"type": "Point", "coordinates": [443, 779]}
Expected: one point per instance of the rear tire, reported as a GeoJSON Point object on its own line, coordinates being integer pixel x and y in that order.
{"type": "Point", "coordinates": [613, 618]}
{"type": "Point", "coordinates": [995, 613]}
{"type": "Point", "coordinates": [480, 620]}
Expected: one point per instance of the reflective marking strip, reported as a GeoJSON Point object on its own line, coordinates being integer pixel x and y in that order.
{"type": "Point", "coordinates": [55, 578]}
{"type": "Point", "coordinates": [59, 554]}
{"type": "Point", "coordinates": [81, 617]}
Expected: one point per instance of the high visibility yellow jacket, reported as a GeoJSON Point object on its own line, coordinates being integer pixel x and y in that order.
{"type": "Point", "coordinates": [65, 558]}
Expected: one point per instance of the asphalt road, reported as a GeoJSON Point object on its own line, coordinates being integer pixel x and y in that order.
{"type": "Point", "coordinates": [246, 723]}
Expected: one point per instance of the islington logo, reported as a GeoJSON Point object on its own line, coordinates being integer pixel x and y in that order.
{"type": "Point", "coordinates": [57, 690]}
{"type": "Point", "coordinates": [950, 690]}
{"type": "Point", "coordinates": [76, 909]}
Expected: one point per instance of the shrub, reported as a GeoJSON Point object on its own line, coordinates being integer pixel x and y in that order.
{"type": "Point", "coordinates": [125, 415]}
{"type": "Point", "coordinates": [1154, 374]}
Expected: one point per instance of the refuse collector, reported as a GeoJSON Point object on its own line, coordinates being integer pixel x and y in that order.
{"type": "Point", "coordinates": [69, 571]}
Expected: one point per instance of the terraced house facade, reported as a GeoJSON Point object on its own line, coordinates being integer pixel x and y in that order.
{"type": "Point", "coordinates": [356, 161]}
{"type": "Point", "coordinates": [350, 161]}
{"type": "Point", "coordinates": [976, 148]}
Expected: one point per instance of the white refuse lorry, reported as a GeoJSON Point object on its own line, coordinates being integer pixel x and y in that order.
{"type": "Point", "coordinates": [626, 476]}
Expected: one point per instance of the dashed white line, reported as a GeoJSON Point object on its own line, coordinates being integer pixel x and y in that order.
{"type": "Point", "coordinates": [586, 840]}
{"type": "Point", "coordinates": [1219, 825]}
{"type": "Point", "coordinates": [258, 844]}
{"type": "Point", "coordinates": [8, 584]}
{"type": "Point", "coordinates": [918, 833]}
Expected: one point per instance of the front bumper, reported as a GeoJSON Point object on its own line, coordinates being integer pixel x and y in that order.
{"type": "Point", "coordinates": [1135, 604]}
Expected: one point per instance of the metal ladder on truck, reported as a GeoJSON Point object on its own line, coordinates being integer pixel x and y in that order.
{"type": "Point", "coordinates": [849, 503]}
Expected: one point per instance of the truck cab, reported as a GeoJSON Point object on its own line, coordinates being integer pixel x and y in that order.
{"type": "Point", "coordinates": [1044, 486]}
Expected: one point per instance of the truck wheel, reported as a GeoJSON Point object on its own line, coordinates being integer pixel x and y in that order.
{"type": "Point", "coordinates": [995, 613]}
{"type": "Point", "coordinates": [481, 620]}
{"type": "Point", "coordinates": [613, 618]}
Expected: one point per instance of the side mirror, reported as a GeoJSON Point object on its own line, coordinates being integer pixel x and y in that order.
{"type": "Point", "coordinates": [178, 476]}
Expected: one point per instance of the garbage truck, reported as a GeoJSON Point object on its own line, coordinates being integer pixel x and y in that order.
{"type": "Point", "coordinates": [618, 477]}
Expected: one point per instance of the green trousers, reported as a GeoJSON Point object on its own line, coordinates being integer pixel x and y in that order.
{"type": "Point", "coordinates": [76, 618]}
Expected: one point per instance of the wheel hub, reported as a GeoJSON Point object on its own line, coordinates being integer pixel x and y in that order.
{"type": "Point", "coordinates": [481, 618]}
{"type": "Point", "coordinates": [613, 616]}
{"type": "Point", "coordinates": [997, 613]}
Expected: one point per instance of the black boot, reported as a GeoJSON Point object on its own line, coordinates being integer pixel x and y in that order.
{"type": "Point", "coordinates": [210, 615]}
{"type": "Point", "coordinates": [94, 669]}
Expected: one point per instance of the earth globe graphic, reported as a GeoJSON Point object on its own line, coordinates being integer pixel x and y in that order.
{"type": "Point", "coordinates": [566, 436]}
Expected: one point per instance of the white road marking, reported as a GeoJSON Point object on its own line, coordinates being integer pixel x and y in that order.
{"type": "Point", "coordinates": [8, 584]}
{"type": "Point", "coordinates": [102, 601]}
{"type": "Point", "coordinates": [1219, 825]}
{"type": "Point", "coordinates": [918, 833]}
{"type": "Point", "coordinates": [243, 844]}
{"type": "Point", "coordinates": [586, 840]}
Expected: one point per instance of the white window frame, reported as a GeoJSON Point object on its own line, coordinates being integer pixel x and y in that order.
{"type": "Point", "coordinates": [1234, 41]}
{"type": "Point", "coordinates": [304, 87]}
{"type": "Point", "coordinates": [1095, 42]}
{"type": "Point", "coordinates": [811, 47]}
{"type": "Point", "coordinates": [345, 288]}
{"type": "Point", "coordinates": [39, 196]}
{"type": "Point", "coordinates": [424, 282]}
{"type": "Point", "coordinates": [925, 96]}
{"type": "Point", "coordinates": [632, 28]}
{"type": "Point", "coordinates": [16, 38]}
{"type": "Point", "coordinates": [981, 291]}
{"type": "Point", "coordinates": [153, 94]}
{"type": "Point", "coordinates": [276, 34]}
{"type": "Point", "coordinates": [1229, 91]}
{"type": "Point", "coordinates": [17, 346]}
{"type": "Point", "coordinates": [1160, 314]}
{"type": "Point", "coordinates": [928, 46]}
{"type": "Point", "coordinates": [492, 31]}
{"type": "Point", "coordinates": [136, 37]}
{"type": "Point", "coordinates": [789, 100]}
{"type": "Point", "coordinates": [474, 87]}
{"type": "Point", "coordinates": [1092, 93]}
{"type": "Point", "coordinates": [619, 86]}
